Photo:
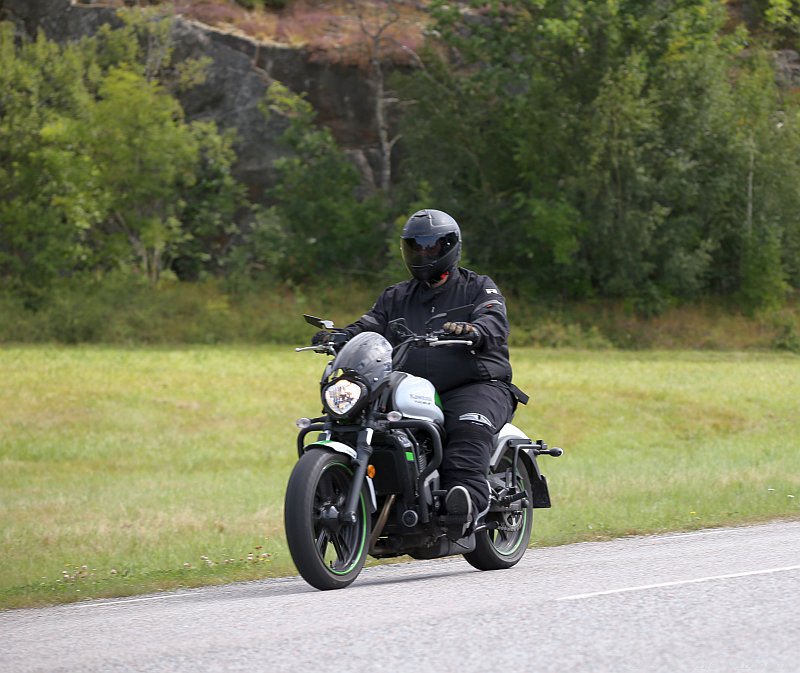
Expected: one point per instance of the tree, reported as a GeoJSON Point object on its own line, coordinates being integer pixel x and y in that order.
{"type": "Point", "coordinates": [768, 135]}
{"type": "Point", "coordinates": [597, 147]}
{"type": "Point", "coordinates": [214, 204]}
{"type": "Point", "coordinates": [376, 29]}
{"type": "Point", "coordinates": [98, 161]}
{"type": "Point", "coordinates": [147, 156]}
{"type": "Point", "coordinates": [316, 224]}
{"type": "Point", "coordinates": [50, 195]}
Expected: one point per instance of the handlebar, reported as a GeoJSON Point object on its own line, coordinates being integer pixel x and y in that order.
{"type": "Point", "coordinates": [434, 339]}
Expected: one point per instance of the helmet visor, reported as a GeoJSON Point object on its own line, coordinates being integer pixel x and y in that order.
{"type": "Point", "coordinates": [425, 250]}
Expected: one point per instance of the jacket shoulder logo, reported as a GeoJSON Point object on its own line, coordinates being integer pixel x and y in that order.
{"type": "Point", "coordinates": [491, 290]}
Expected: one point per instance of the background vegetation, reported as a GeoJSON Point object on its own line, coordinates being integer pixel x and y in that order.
{"type": "Point", "coordinates": [126, 470]}
{"type": "Point", "coordinates": [627, 171]}
{"type": "Point", "coordinates": [596, 153]}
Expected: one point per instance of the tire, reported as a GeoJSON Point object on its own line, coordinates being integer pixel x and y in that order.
{"type": "Point", "coordinates": [505, 546]}
{"type": "Point", "coordinates": [328, 554]}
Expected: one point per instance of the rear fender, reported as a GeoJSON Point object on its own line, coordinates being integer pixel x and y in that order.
{"type": "Point", "coordinates": [509, 436]}
{"type": "Point", "coordinates": [541, 494]}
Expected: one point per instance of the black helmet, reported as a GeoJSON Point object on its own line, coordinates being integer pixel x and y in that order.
{"type": "Point", "coordinates": [431, 244]}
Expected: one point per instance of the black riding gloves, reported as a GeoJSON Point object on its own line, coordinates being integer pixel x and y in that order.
{"type": "Point", "coordinates": [465, 330]}
{"type": "Point", "coordinates": [327, 337]}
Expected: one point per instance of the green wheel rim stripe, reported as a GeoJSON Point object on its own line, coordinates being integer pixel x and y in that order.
{"type": "Point", "coordinates": [522, 529]}
{"type": "Point", "coordinates": [519, 541]}
{"type": "Point", "coordinates": [363, 526]}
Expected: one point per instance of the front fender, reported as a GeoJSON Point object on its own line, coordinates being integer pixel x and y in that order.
{"type": "Point", "coordinates": [341, 447]}
{"type": "Point", "coordinates": [332, 445]}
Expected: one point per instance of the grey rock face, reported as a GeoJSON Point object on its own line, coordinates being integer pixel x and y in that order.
{"type": "Point", "coordinates": [239, 74]}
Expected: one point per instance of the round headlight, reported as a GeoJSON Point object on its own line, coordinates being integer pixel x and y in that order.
{"type": "Point", "coordinates": [343, 397]}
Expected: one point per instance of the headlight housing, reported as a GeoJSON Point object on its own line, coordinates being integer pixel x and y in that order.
{"type": "Point", "coordinates": [344, 397]}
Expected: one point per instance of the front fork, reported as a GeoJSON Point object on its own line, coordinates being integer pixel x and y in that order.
{"type": "Point", "coordinates": [361, 462]}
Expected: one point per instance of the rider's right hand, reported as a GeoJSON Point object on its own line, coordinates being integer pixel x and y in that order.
{"type": "Point", "coordinates": [327, 337]}
{"type": "Point", "coordinates": [464, 330]}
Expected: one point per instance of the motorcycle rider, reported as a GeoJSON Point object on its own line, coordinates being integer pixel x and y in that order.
{"type": "Point", "coordinates": [474, 383]}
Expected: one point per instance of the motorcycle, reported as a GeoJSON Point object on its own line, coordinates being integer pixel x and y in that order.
{"type": "Point", "coordinates": [369, 484]}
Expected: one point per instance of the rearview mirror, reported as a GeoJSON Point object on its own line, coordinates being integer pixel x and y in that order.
{"type": "Point", "coordinates": [460, 314]}
{"type": "Point", "coordinates": [318, 322]}
{"type": "Point", "coordinates": [399, 328]}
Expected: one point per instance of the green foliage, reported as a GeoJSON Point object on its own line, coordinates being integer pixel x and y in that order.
{"type": "Point", "coordinates": [262, 4]}
{"type": "Point", "coordinates": [552, 334]}
{"type": "Point", "coordinates": [98, 163]}
{"type": "Point", "coordinates": [213, 205]}
{"type": "Point", "coordinates": [122, 308]}
{"type": "Point", "coordinates": [607, 148]}
{"type": "Point", "coordinates": [147, 157]}
{"type": "Point", "coordinates": [590, 149]}
{"type": "Point", "coordinates": [763, 282]}
{"type": "Point", "coordinates": [780, 19]}
{"type": "Point", "coordinates": [49, 191]}
{"type": "Point", "coordinates": [317, 224]}
{"type": "Point", "coordinates": [787, 332]}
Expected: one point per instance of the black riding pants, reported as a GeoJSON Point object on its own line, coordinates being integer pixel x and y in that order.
{"type": "Point", "coordinates": [473, 414]}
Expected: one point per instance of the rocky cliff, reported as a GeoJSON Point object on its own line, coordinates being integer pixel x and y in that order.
{"type": "Point", "coordinates": [239, 73]}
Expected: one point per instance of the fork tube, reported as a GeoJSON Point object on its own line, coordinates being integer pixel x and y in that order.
{"type": "Point", "coordinates": [363, 454]}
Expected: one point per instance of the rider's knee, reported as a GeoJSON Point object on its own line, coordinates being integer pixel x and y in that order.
{"type": "Point", "coordinates": [468, 432]}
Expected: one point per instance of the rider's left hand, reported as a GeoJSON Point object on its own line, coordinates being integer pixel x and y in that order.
{"type": "Point", "coordinates": [463, 329]}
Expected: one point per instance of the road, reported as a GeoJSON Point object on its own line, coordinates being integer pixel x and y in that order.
{"type": "Point", "coordinates": [725, 600]}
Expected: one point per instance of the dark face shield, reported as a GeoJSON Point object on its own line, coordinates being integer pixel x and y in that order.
{"type": "Point", "coordinates": [422, 251]}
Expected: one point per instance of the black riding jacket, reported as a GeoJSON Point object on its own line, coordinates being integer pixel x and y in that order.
{"type": "Point", "coordinates": [446, 367]}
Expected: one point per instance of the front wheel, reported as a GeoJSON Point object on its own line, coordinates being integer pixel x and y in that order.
{"type": "Point", "coordinates": [328, 553]}
{"type": "Point", "coordinates": [504, 543]}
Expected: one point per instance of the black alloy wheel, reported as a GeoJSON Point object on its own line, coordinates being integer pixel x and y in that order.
{"type": "Point", "coordinates": [328, 553]}
{"type": "Point", "coordinates": [504, 542]}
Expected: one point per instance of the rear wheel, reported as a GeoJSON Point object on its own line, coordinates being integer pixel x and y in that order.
{"type": "Point", "coordinates": [504, 543]}
{"type": "Point", "coordinates": [328, 553]}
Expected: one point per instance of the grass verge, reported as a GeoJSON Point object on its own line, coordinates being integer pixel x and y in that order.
{"type": "Point", "coordinates": [130, 470]}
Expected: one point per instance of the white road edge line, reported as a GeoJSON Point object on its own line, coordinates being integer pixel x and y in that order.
{"type": "Point", "coordinates": [106, 604]}
{"type": "Point", "coordinates": [644, 587]}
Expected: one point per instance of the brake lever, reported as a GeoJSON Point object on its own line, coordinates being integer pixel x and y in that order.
{"type": "Point", "coordinates": [447, 342]}
{"type": "Point", "coordinates": [322, 348]}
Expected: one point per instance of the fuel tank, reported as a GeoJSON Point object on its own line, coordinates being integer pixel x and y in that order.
{"type": "Point", "coordinates": [415, 397]}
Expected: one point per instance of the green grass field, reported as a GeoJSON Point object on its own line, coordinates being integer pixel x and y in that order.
{"type": "Point", "coordinates": [133, 470]}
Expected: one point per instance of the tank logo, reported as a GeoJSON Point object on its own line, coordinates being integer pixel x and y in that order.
{"type": "Point", "coordinates": [422, 399]}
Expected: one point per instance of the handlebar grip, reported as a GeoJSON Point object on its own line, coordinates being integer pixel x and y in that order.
{"type": "Point", "coordinates": [444, 335]}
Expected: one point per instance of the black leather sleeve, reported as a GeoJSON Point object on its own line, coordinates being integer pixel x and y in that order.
{"type": "Point", "coordinates": [489, 315]}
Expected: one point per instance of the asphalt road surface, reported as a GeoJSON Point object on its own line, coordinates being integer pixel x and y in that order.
{"type": "Point", "coordinates": [725, 600]}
